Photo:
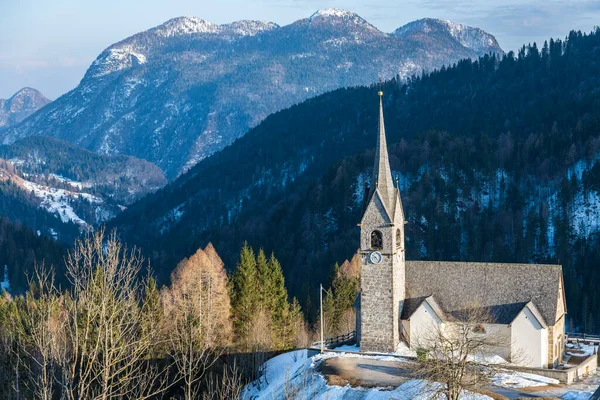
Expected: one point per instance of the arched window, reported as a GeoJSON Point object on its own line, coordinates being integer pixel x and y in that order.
{"type": "Point", "coordinates": [398, 238]}
{"type": "Point", "coordinates": [376, 240]}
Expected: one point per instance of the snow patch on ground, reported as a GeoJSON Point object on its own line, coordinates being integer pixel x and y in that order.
{"type": "Point", "coordinates": [487, 359]}
{"type": "Point", "coordinates": [56, 201]}
{"type": "Point", "coordinates": [516, 380]}
{"type": "Point", "coordinates": [348, 348]}
{"type": "Point", "coordinates": [580, 349]}
{"type": "Point", "coordinates": [577, 395]}
{"type": "Point", "coordinates": [75, 184]}
{"type": "Point", "coordinates": [294, 375]}
{"type": "Point", "coordinates": [404, 351]}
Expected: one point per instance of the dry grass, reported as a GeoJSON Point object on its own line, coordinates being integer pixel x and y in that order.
{"type": "Point", "coordinates": [493, 395]}
{"type": "Point", "coordinates": [539, 398]}
{"type": "Point", "coordinates": [533, 389]}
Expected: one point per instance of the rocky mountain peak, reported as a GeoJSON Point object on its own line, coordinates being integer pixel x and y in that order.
{"type": "Point", "coordinates": [336, 13]}
{"type": "Point", "coordinates": [21, 105]}
{"type": "Point", "coordinates": [26, 98]}
{"type": "Point", "coordinates": [338, 17]}
{"type": "Point", "coordinates": [185, 26]}
{"type": "Point", "coordinates": [469, 37]}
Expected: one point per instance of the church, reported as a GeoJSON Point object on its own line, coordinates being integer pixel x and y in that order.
{"type": "Point", "coordinates": [401, 299]}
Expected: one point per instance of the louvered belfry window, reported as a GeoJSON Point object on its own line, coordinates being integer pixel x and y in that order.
{"type": "Point", "coordinates": [376, 240]}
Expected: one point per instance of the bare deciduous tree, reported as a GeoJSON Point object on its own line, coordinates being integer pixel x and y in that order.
{"type": "Point", "coordinates": [107, 351]}
{"type": "Point", "coordinates": [227, 386]}
{"type": "Point", "coordinates": [38, 330]}
{"type": "Point", "coordinates": [448, 353]}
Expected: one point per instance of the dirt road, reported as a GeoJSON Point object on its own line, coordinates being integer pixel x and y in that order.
{"type": "Point", "coordinates": [365, 372]}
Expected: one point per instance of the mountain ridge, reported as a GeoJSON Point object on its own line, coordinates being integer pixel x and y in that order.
{"type": "Point", "coordinates": [20, 105]}
{"type": "Point", "coordinates": [178, 92]}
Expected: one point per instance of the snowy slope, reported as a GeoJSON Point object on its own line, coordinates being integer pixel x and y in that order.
{"type": "Point", "coordinates": [62, 202]}
{"type": "Point", "coordinates": [294, 375]}
{"type": "Point", "coordinates": [58, 201]}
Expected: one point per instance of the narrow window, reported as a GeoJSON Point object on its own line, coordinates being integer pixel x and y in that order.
{"type": "Point", "coordinates": [376, 240]}
{"type": "Point", "coordinates": [398, 239]}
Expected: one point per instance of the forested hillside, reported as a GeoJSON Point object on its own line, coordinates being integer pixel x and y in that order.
{"type": "Point", "coordinates": [21, 249]}
{"type": "Point", "coordinates": [497, 161]}
{"type": "Point", "coordinates": [46, 159]}
{"type": "Point", "coordinates": [59, 189]}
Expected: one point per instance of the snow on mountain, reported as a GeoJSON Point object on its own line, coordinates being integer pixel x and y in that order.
{"type": "Point", "coordinates": [181, 91]}
{"type": "Point", "coordinates": [58, 201]}
{"type": "Point", "coordinates": [247, 27]}
{"type": "Point", "coordinates": [334, 14]}
{"type": "Point", "coordinates": [469, 37]}
{"type": "Point", "coordinates": [185, 26]}
{"type": "Point", "coordinates": [60, 189]}
{"type": "Point", "coordinates": [20, 105]}
{"type": "Point", "coordinates": [117, 59]}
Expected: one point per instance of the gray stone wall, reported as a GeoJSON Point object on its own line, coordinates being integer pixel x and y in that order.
{"type": "Point", "coordinates": [377, 308]}
{"type": "Point", "coordinates": [399, 291]}
{"type": "Point", "coordinates": [382, 285]}
{"type": "Point", "coordinates": [556, 343]}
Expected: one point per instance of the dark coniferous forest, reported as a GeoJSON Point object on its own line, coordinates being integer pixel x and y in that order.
{"type": "Point", "coordinates": [22, 249]}
{"type": "Point", "coordinates": [497, 161]}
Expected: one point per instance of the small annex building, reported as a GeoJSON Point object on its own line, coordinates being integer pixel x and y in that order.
{"type": "Point", "coordinates": [402, 300]}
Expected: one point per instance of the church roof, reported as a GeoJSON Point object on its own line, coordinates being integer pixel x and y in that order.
{"type": "Point", "coordinates": [503, 314]}
{"type": "Point", "coordinates": [412, 304]}
{"type": "Point", "coordinates": [503, 289]}
{"type": "Point", "coordinates": [382, 174]}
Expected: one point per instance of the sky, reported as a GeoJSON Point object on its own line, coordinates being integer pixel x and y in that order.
{"type": "Point", "coordinates": [49, 44]}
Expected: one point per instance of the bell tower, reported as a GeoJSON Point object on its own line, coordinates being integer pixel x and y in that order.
{"type": "Point", "coordinates": [382, 271]}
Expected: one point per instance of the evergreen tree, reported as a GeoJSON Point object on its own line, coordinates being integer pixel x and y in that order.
{"type": "Point", "coordinates": [265, 280]}
{"type": "Point", "coordinates": [296, 326]}
{"type": "Point", "coordinates": [278, 304]}
{"type": "Point", "coordinates": [244, 294]}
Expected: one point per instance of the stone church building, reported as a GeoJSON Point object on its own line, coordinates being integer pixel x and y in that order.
{"type": "Point", "coordinates": [401, 299]}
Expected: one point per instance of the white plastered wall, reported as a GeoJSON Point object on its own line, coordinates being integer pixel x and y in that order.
{"type": "Point", "coordinates": [424, 323]}
{"type": "Point", "coordinates": [529, 341]}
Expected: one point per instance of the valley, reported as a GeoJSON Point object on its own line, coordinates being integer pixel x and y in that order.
{"type": "Point", "coordinates": [366, 204]}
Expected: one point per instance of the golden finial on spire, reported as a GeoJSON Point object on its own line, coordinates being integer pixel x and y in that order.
{"type": "Point", "coordinates": [380, 93]}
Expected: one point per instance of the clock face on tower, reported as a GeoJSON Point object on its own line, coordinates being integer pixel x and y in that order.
{"type": "Point", "coordinates": [375, 257]}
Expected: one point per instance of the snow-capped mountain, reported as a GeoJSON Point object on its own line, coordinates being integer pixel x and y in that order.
{"type": "Point", "coordinates": [473, 38]}
{"type": "Point", "coordinates": [20, 106]}
{"type": "Point", "coordinates": [183, 90]}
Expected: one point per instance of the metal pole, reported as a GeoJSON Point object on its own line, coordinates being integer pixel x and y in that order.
{"type": "Point", "coordinates": [321, 298]}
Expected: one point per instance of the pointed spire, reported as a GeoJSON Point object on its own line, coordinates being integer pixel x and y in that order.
{"type": "Point", "coordinates": [382, 173]}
